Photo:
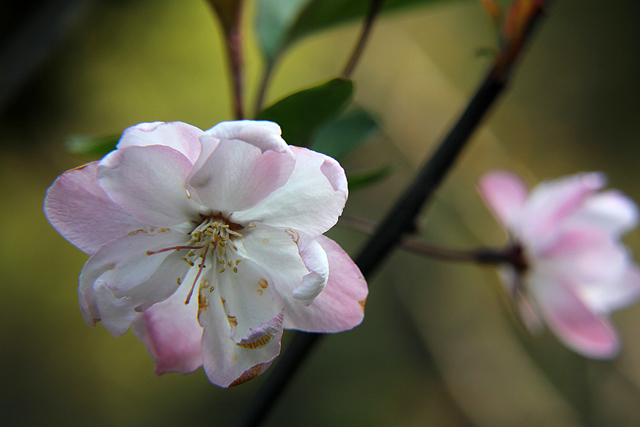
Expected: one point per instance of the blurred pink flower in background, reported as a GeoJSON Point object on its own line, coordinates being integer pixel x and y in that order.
{"type": "Point", "coordinates": [573, 269]}
{"type": "Point", "coordinates": [210, 243]}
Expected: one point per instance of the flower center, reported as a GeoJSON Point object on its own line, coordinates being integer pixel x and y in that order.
{"type": "Point", "coordinates": [208, 247]}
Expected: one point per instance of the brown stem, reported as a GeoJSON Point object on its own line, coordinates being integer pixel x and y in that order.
{"type": "Point", "coordinates": [229, 12]}
{"type": "Point", "coordinates": [264, 83]}
{"type": "Point", "coordinates": [374, 9]}
{"type": "Point", "coordinates": [483, 255]}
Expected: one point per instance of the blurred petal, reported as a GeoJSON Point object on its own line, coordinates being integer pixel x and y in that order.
{"type": "Point", "coordinates": [177, 135]}
{"type": "Point", "coordinates": [237, 176]}
{"type": "Point", "coordinates": [610, 211]}
{"type": "Point", "coordinates": [311, 200]}
{"type": "Point", "coordinates": [149, 182]}
{"type": "Point", "coordinates": [586, 254]}
{"type": "Point", "coordinates": [340, 306]}
{"type": "Point", "coordinates": [505, 194]}
{"type": "Point", "coordinates": [572, 321]}
{"type": "Point", "coordinates": [81, 211]}
{"type": "Point", "coordinates": [553, 202]}
{"type": "Point", "coordinates": [620, 292]}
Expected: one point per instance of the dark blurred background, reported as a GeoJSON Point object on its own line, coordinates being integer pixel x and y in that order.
{"type": "Point", "coordinates": [439, 346]}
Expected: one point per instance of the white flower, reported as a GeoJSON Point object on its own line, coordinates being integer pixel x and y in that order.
{"type": "Point", "coordinates": [209, 243]}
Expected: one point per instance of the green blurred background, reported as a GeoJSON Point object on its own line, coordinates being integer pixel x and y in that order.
{"type": "Point", "coordinates": [438, 346]}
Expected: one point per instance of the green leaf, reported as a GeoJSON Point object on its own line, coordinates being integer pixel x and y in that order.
{"type": "Point", "coordinates": [275, 20]}
{"type": "Point", "coordinates": [282, 22]}
{"type": "Point", "coordinates": [360, 180]}
{"type": "Point", "coordinates": [94, 146]}
{"type": "Point", "coordinates": [344, 135]}
{"type": "Point", "coordinates": [300, 115]}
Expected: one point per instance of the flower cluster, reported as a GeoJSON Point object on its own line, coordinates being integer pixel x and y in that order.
{"type": "Point", "coordinates": [573, 270]}
{"type": "Point", "coordinates": [209, 243]}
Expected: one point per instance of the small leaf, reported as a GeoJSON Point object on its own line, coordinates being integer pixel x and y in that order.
{"type": "Point", "coordinates": [96, 146]}
{"type": "Point", "coordinates": [360, 180]}
{"type": "Point", "coordinates": [344, 135]}
{"type": "Point", "coordinates": [300, 115]}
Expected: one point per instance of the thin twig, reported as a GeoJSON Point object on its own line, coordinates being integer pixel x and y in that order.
{"type": "Point", "coordinates": [234, 44]}
{"type": "Point", "coordinates": [411, 243]}
{"type": "Point", "coordinates": [230, 16]}
{"type": "Point", "coordinates": [374, 9]}
{"type": "Point", "coordinates": [264, 83]}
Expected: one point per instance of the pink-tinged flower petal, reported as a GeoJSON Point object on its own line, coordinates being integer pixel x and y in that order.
{"type": "Point", "coordinates": [117, 313]}
{"type": "Point", "coordinates": [297, 264]}
{"type": "Point", "coordinates": [610, 211]}
{"type": "Point", "coordinates": [340, 306]}
{"type": "Point", "coordinates": [123, 264]}
{"type": "Point", "coordinates": [311, 201]}
{"type": "Point", "coordinates": [171, 332]}
{"type": "Point", "coordinates": [149, 182]}
{"type": "Point", "coordinates": [227, 362]}
{"type": "Point", "coordinates": [237, 176]}
{"type": "Point", "coordinates": [177, 135]}
{"type": "Point", "coordinates": [250, 299]}
{"type": "Point", "coordinates": [83, 213]}
{"type": "Point", "coordinates": [262, 134]}
{"type": "Point", "coordinates": [619, 292]}
{"type": "Point", "coordinates": [505, 194]}
{"type": "Point", "coordinates": [585, 254]}
{"type": "Point", "coordinates": [316, 260]}
{"type": "Point", "coordinates": [277, 252]}
{"type": "Point", "coordinates": [553, 202]}
{"type": "Point", "coordinates": [572, 321]}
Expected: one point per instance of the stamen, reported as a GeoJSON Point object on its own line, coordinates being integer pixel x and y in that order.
{"type": "Point", "coordinates": [200, 268]}
{"type": "Point", "coordinates": [176, 248]}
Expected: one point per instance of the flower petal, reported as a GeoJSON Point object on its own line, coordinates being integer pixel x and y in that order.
{"type": "Point", "coordinates": [585, 254]}
{"type": "Point", "coordinates": [82, 212]}
{"type": "Point", "coordinates": [123, 264]}
{"type": "Point", "coordinates": [620, 292]}
{"type": "Point", "coordinates": [340, 306]}
{"type": "Point", "coordinates": [260, 133]}
{"type": "Point", "coordinates": [572, 321]}
{"type": "Point", "coordinates": [229, 362]}
{"type": "Point", "coordinates": [149, 182]}
{"type": "Point", "coordinates": [315, 259]}
{"type": "Point", "coordinates": [297, 264]}
{"type": "Point", "coordinates": [238, 175]}
{"type": "Point", "coordinates": [171, 332]}
{"type": "Point", "coordinates": [553, 202]}
{"type": "Point", "coordinates": [311, 201]}
{"type": "Point", "coordinates": [250, 299]}
{"type": "Point", "coordinates": [177, 135]}
{"type": "Point", "coordinates": [610, 211]}
{"type": "Point", "coordinates": [117, 313]}
{"type": "Point", "coordinates": [505, 194]}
